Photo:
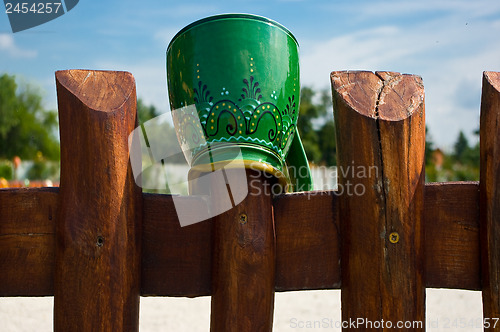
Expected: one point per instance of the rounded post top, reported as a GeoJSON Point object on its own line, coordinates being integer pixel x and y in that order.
{"type": "Point", "coordinates": [99, 90]}
{"type": "Point", "coordinates": [387, 96]}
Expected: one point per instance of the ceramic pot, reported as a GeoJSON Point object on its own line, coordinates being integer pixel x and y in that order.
{"type": "Point", "coordinates": [234, 90]}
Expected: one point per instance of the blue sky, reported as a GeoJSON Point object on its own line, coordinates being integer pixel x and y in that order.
{"type": "Point", "coordinates": [448, 43]}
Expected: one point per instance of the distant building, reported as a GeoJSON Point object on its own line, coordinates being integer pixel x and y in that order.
{"type": "Point", "coordinates": [438, 158]}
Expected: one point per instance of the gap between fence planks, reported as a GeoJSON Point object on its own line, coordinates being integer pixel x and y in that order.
{"type": "Point", "coordinates": [176, 261]}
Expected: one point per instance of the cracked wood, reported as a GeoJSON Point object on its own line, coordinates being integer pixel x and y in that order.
{"type": "Point", "coordinates": [380, 122]}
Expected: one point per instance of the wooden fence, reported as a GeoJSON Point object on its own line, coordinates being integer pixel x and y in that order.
{"type": "Point", "coordinates": [97, 243]}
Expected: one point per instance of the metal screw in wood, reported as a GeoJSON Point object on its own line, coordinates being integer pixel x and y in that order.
{"type": "Point", "coordinates": [243, 218]}
{"type": "Point", "coordinates": [394, 237]}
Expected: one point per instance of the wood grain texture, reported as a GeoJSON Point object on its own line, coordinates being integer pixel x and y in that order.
{"type": "Point", "coordinates": [98, 229]}
{"type": "Point", "coordinates": [307, 241]}
{"type": "Point", "coordinates": [176, 261]}
{"type": "Point", "coordinates": [401, 121]}
{"type": "Point", "coordinates": [243, 258]}
{"type": "Point", "coordinates": [452, 235]}
{"type": "Point", "coordinates": [489, 185]}
{"type": "Point", "coordinates": [27, 241]}
{"type": "Point", "coordinates": [82, 242]}
{"type": "Point", "coordinates": [380, 128]}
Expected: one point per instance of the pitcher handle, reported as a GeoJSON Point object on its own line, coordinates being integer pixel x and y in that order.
{"type": "Point", "coordinates": [298, 166]}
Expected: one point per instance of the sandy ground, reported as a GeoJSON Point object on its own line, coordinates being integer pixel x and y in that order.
{"type": "Point", "coordinates": [447, 310]}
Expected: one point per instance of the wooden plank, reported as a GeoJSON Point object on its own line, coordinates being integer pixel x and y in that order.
{"type": "Point", "coordinates": [28, 210]}
{"type": "Point", "coordinates": [307, 241]}
{"type": "Point", "coordinates": [452, 235]}
{"type": "Point", "coordinates": [489, 185]}
{"type": "Point", "coordinates": [27, 241]}
{"type": "Point", "coordinates": [98, 229]}
{"type": "Point", "coordinates": [243, 257]}
{"type": "Point", "coordinates": [380, 129]}
{"type": "Point", "coordinates": [176, 260]}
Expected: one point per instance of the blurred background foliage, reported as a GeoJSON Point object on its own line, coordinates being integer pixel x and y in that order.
{"type": "Point", "coordinates": [26, 128]}
{"type": "Point", "coordinates": [30, 132]}
{"type": "Point", "coordinates": [27, 131]}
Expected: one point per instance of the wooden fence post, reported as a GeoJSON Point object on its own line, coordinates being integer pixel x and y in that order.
{"type": "Point", "coordinates": [97, 274]}
{"type": "Point", "coordinates": [243, 258]}
{"type": "Point", "coordinates": [489, 193]}
{"type": "Point", "coordinates": [380, 129]}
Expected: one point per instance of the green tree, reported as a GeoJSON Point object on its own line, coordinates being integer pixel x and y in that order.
{"type": "Point", "coordinates": [26, 128]}
{"type": "Point", "coordinates": [431, 173]}
{"type": "Point", "coordinates": [471, 156]}
{"type": "Point", "coordinates": [462, 164]}
{"type": "Point", "coordinates": [460, 148]}
{"type": "Point", "coordinates": [317, 130]}
{"type": "Point", "coordinates": [328, 143]}
{"type": "Point", "coordinates": [145, 112]}
{"type": "Point", "coordinates": [429, 147]}
{"type": "Point", "coordinates": [307, 113]}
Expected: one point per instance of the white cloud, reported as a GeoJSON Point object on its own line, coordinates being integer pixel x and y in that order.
{"type": "Point", "coordinates": [8, 45]}
{"type": "Point", "coordinates": [386, 9]}
{"type": "Point", "coordinates": [448, 54]}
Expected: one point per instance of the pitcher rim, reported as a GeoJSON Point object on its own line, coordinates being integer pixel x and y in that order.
{"type": "Point", "coordinates": [245, 16]}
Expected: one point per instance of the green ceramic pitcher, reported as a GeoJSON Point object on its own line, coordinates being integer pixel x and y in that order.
{"type": "Point", "coordinates": [233, 81]}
